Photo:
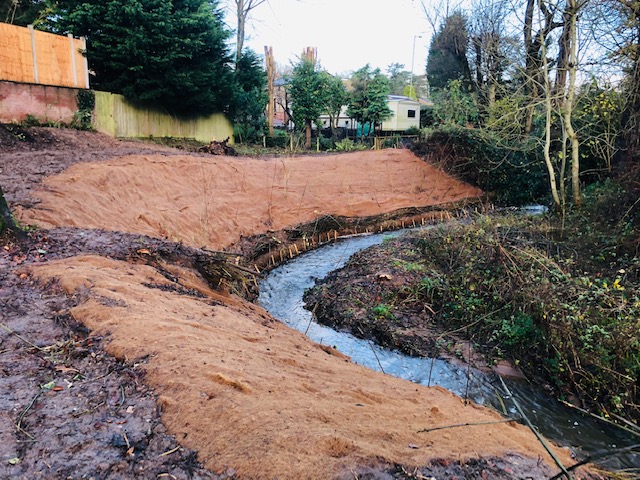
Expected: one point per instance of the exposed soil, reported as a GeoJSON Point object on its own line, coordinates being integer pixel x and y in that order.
{"type": "Point", "coordinates": [114, 366]}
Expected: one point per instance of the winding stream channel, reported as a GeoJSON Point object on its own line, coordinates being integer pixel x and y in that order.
{"type": "Point", "coordinates": [281, 294]}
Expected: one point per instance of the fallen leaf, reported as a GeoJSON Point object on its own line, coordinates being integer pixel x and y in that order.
{"type": "Point", "coordinates": [145, 251]}
{"type": "Point", "coordinates": [57, 388]}
{"type": "Point", "coordinates": [48, 386]}
{"type": "Point", "coordinates": [14, 461]}
{"type": "Point", "coordinates": [130, 409]}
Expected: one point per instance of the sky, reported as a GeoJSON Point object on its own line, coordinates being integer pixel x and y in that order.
{"type": "Point", "coordinates": [347, 33]}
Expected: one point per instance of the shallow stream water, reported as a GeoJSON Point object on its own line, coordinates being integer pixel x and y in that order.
{"type": "Point", "coordinates": [281, 294]}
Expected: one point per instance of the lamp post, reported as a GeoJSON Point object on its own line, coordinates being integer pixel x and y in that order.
{"type": "Point", "coordinates": [413, 57]}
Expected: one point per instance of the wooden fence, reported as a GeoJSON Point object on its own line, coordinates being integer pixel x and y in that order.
{"type": "Point", "coordinates": [115, 116]}
{"type": "Point", "coordinates": [31, 56]}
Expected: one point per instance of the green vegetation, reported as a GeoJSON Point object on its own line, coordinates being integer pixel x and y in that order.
{"type": "Point", "coordinates": [563, 302]}
{"type": "Point", "coordinates": [250, 98]}
{"type": "Point", "coordinates": [171, 54]}
{"type": "Point", "coordinates": [368, 103]}
{"type": "Point", "coordinates": [510, 170]}
{"type": "Point", "coordinates": [447, 58]}
{"type": "Point", "coordinates": [83, 118]}
{"type": "Point", "coordinates": [309, 90]}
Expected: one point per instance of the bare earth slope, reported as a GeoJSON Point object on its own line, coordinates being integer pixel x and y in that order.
{"type": "Point", "coordinates": [212, 201]}
{"type": "Point", "coordinates": [249, 393]}
{"type": "Point", "coordinates": [235, 385]}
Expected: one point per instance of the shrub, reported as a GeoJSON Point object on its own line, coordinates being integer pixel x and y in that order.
{"type": "Point", "coordinates": [348, 145]}
{"type": "Point", "coordinates": [513, 173]}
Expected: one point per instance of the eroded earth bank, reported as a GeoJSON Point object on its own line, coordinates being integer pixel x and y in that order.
{"type": "Point", "coordinates": [119, 360]}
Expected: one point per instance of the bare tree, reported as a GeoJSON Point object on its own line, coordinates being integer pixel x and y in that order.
{"type": "Point", "coordinates": [435, 11]}
{"type": "Point", "coordinates": [617, 28]}
{"type": "Point", "coordinates": [539, 22]}
{"type": "Point", "coordinates": [490, 46]}
{"type": "Point", "coordinates": [243, 9]}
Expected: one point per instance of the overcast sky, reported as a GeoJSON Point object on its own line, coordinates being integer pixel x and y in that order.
{"type": "Point", "coordinates": [347, 33]}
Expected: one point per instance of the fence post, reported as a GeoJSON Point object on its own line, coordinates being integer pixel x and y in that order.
{"type": "Point", "coordinates": [73, 60]}
{"type": "Point", "coordinates": [33, 53]}
{"type": "Point", "coordinates": [86, 61]}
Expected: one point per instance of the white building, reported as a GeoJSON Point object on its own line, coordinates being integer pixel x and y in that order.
{"type": "Point", "coordinates": [406, 114]}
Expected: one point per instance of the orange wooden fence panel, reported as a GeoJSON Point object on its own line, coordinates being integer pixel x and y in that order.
{"type": "Point", "coordinates": [31, 56]}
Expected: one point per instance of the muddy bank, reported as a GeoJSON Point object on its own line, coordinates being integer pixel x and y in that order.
{"type": "Point", "coordinates": [251, 394]}
{"type": "Point", "coordinates": [245, 392]}
{"type": "Point", "coordinates": [68, 408]}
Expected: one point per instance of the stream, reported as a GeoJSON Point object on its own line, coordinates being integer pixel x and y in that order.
{"type": "Point", "coordinates": [281, 295]}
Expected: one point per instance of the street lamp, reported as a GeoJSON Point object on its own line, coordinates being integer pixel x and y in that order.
{"type": "Point", "coordinates": [413, 57]}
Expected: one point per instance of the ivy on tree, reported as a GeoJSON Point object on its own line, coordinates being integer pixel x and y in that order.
{"type": "Point", "coordinates": [171, 54]}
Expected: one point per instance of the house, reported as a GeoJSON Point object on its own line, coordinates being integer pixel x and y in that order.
{"type": "Point", "coordinates": [406, 114]}
{"type": "Point", "coordinates": [280, 103]}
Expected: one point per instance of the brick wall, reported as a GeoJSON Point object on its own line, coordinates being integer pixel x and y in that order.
{"type": "Point", "coordinates": [46, 103]}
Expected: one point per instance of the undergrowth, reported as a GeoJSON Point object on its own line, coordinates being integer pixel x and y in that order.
{"type": "Point", "coordinates": [564, 302]}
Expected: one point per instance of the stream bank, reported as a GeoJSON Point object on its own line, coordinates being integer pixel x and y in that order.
{"type": "Point", "coordinates": [409, 295]}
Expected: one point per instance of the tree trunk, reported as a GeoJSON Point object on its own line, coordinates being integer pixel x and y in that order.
{"type": "Point", "coordinates": [564, 50]}
{"type": "Point", "coordinates": [242, 19]}
{"type": "Point", "coordinates": [630, 151]}
{"type": "Point", "coordinates": [558, 200]}
{"type": "Point", "coordinates": [271, 75]}
{"type": "Point", "coordinates": [572, 37]}
{"type": "Point", "coordinates": [307, 141]}
{"type": "Point", "coordinates": [6, 220]}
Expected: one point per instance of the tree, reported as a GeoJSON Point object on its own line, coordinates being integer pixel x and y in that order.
{"type": "Point", "coordinates": [617, 28]}
{"type": "Point", "coordinates": [398, 78]}
{"type": "Point", "coordinates": [155, 52]}
{"type": "Point", "coordinates": [537, 13]}
{"type": "Point", "coordinates": [447, 59]}
{"type": "Point", "coordinates": [491, 44]}
{"type": "Point", "coordinates": [369, 97]}
{"type": "Point", "coordinates": [454, 105]}
{"type": "Point", "coordinates": [337, 97]}
{"type": "Point", "coordinates": [308, 89]}
{"type": "Point", "coordinates": [251, 96]}
{"type": "Point", "coordinates": [243, 9]}
{"type": "Point", "coordinates": [22, 12]}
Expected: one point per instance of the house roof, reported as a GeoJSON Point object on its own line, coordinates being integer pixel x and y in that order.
{"type": "Point", "coordinates": [401, 98]}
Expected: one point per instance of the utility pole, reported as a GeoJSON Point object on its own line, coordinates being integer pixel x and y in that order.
{"type": "Point", "coordinates": [413, 58]}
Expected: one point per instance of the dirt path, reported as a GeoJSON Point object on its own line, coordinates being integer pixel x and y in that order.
{"type": "Point", "coordinates": [248, 394]}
